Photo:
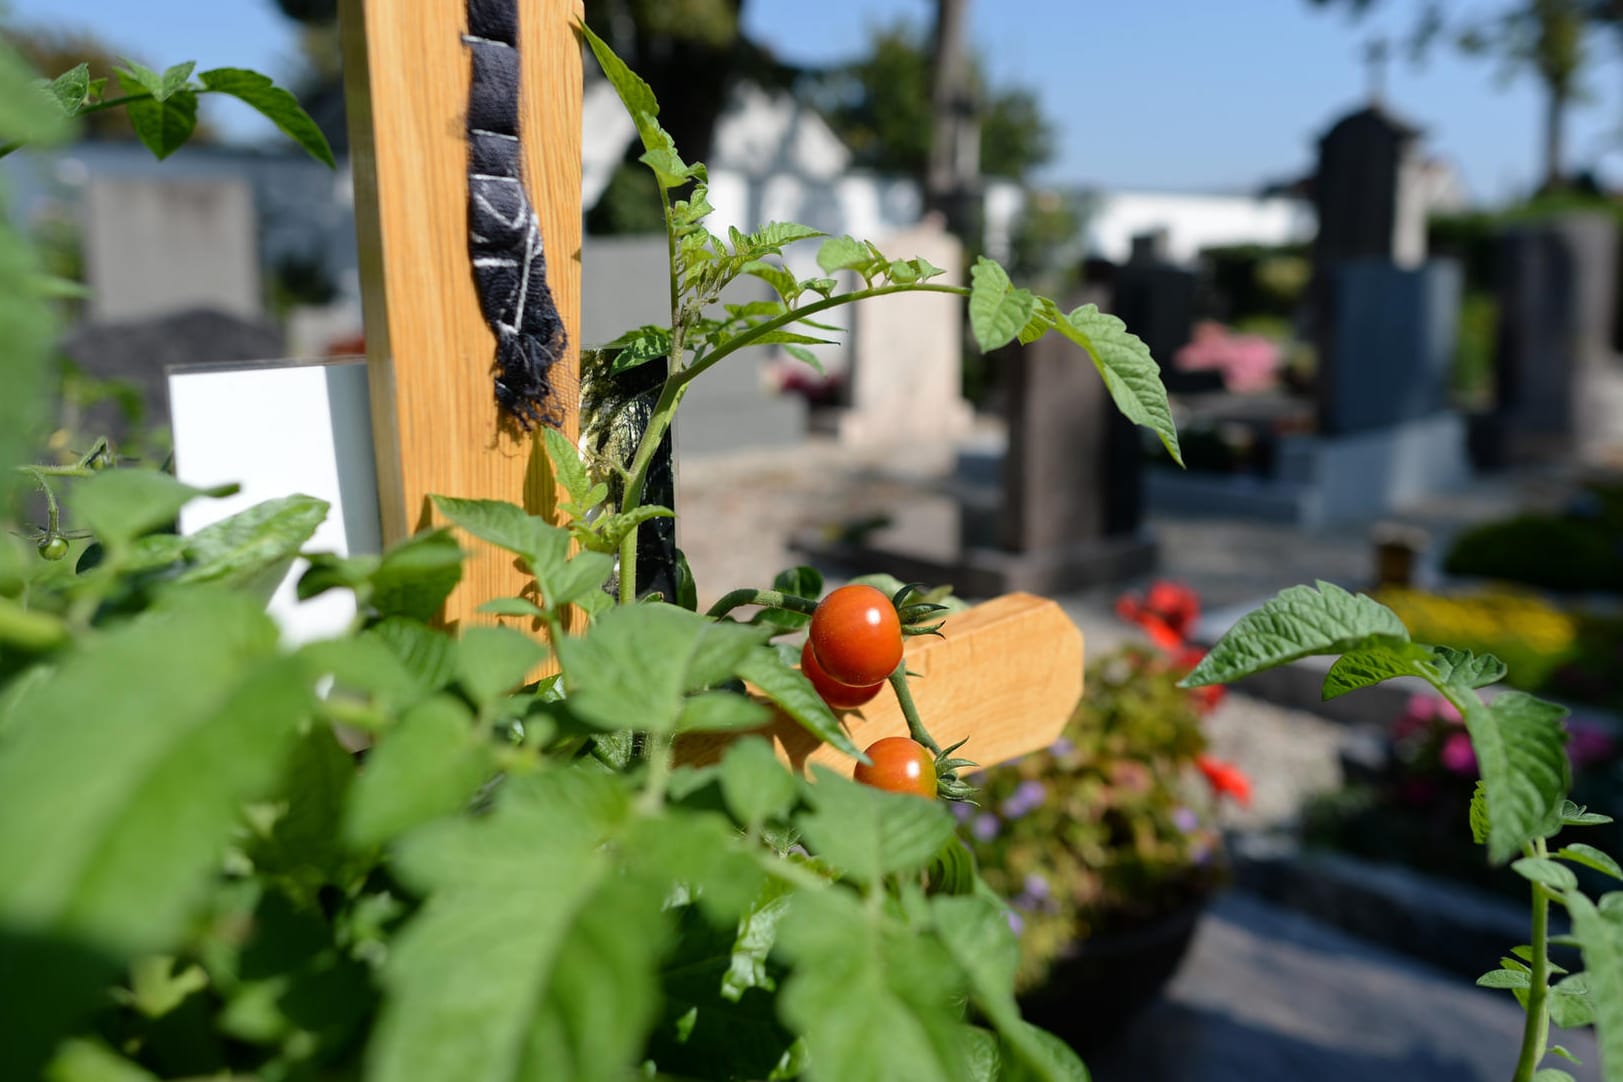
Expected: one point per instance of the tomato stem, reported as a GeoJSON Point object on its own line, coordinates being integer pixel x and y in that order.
{"type": "Point", "coordinates": [1536, 1030]}
{"type": "Point", "coordinates": [766, 599]}
{"type": "Point", "coordinates": [915, 727]}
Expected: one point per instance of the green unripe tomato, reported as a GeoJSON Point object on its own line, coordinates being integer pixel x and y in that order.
{"type": "Point", "coordinates": [53, 548]}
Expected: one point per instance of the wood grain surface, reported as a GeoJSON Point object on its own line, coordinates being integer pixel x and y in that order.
{"type": "Point", "coordinates": [1006, 675]}
{"type": "Point", "coordinates": [436, 427]}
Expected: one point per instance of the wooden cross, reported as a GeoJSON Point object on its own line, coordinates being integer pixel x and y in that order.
{"type": "Point", "coordinates": [1007, 674]}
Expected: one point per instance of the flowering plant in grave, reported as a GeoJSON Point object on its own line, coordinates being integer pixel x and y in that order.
{"type": "Point", "coordinates": [1114, 825]}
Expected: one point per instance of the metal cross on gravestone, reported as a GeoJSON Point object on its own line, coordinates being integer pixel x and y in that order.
{"type": "Point", "coordinates": [467, 353]}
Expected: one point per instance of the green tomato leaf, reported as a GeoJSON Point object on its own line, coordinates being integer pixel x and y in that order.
{"type": "Point", "coordinates": [567, 466]}
{"type": "Point", "coordinates": [80, 1060]}
{"type": "Point", "coordinates": [164, 126]}
{"type": "Point", "coordinates": [545, 547]}
{"type": "Point", "coordinates": [122, 777]}
{"type": "Point", "coordinates": [635, 94]}
{"type": "Point", "coordinates": [492, 661]}
{"type": "Point", "coordinates": [843, 253]}
{"type": "Point", "coordinates": [530, 957]}
{"type": "Point", "coordinates": [71, 89]}
{"type": "Point", "coordinates": [428, 766]}
{"type": "Point", "coordinates": [513, 606]}
{"type": "Point", "coordinates": [366, 665]}
{"type": "Point", "coordinates": [755, 785]}
{"type": "Point", "coordinates": [302, 852]}
{"type": "Point", "coordinates": [29, 113]}
{"type": "Point", "coordinates": [1558, 877]}
{"type": "Point", "coordinates": [782, 282]}
{"type": "Point", "coordinates": [1520, 747]}
{"type": "Point", "coordinates": [1479, 814]}
{"type": "Point", "coordinates": [870, 996]}
{"type": "Point", "coordinates": [121, 505]}
{"type": "Point", "coordinates": [1570, 1003]}
{"type": "Point", "coordinates": [275, 104]}
{"type": "Point", "coordinates": [1574, 816]}
{"type": "Point", "coordinates": [1363, 668]}
{"type": "Point", "coordinates": [252, 550]}
{"type": "Point", "coordinates": [1552, 1074]}
{"type": "Point", "coordinates": [428, 655]}
{"type": "Point", "coordinates": [868, 833]}
{"type": "Point", "coordinates": [772, 237]}
{"type": "Point", "coordinates": [1503, 978]}
{"type": "Point", "coordinates": [134, 78]}
{"type": "Point", "coordinates": [638, 347]}
{"type": "Point", "coordinates": [175, 79]}
{"type": "Point", "coordinates": [1599, 930]}
{"type": "Point", "coordinates": [997, 310]}
{"type": "Point", "coordinates": [1296, 623]}
{"type": "Point", "coordinates": [1131, 375]}
{"type": "Point", "coordinates": [795, 696]}
{"type": "Point", "coordinates": [1566, 1054]}
{"type": "Point", "coordinates": [1590, 857]}
{"type": "Point", "coordinates": [720, 711]}
{"type": "Point", "coordinates": [416, 576]}
{"type": "Point", "coordinates": [607, 531]}
{"type": "Point", "coordinates": [1465, 669]}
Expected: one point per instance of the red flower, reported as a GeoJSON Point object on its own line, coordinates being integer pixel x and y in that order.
{"type": "Point", "coordinates": [1167, 613]}
{"type": "Point", "coordinates": [1225, 779]}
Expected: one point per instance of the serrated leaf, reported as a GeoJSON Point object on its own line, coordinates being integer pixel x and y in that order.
{"type": "Point", "coordinates": [174, 79]}
{"type": "Point", "coordinates": [1043, 319]}
{"type": "Point", "coordinates": [135, 77]}
{"type": "Point", "coordinates": [1131, 375]}
{"type": "Point", "coordinates": [1465, 669]}
{"type": "Point", "coordinates": [636, 665]}
{"type": "Point", "coordinates": [757, 932]}
{"type": "Point", "coordinates": [567, 466]}
{"type": "Point", "coordinates": [1574, 816]}
{"type": "Point", "coordinates": [1600, 933]}
{"type": "Point", "coordinates": [607, 531]}
{"type": "Point", "coordinates": [1520, 747]}
{"type": "Point", "coordinates": [253, 549]}
{"type": "Point", "coordinates": [1298, 622]}
{"type": "Point", "coordinates": [1503, 978]}
{"type": "Point", "coordinates": [872, 999]}
{"type": "Point", "coordinates": [842, 253]}
{"type": "Point", "coordinates": [120, 505]}
{"type": "Point", "coordinates": [635, 94]}
{"type": "Point", "coordinates": [428, 655]}
{"type": "Point", "coordinates": [755, 785]}
{"type": "Point", "coordinates": [164, 126]}
{"type": "Point", "coordinates": [121, 779]}
{"type": "Point", "coordinates": [1570, 1003]}
{"type": "Point", "coordinates": [414, 578]}
{"type": "Point", "coordinates": [790, 338]}
{"type": "Point", "coordinates": [560, 579]}
{"type": "Point", "coordinates": [71, 89]}
{"type": "Point", "coordinates": [720, 711]}
{"type": "Point", "coordinates": [823, 286]}
{"type": "Point", "coordinates": [868, 833]}
{"type": "Point", "coordinates": [329, 571]}
{"type": "Point", "coordinates": [997, 310]}
{"type": "Point", "coordinates": [1558, 877]}
{"type": "Point", "coordinates": [772, 236]}
{"type": "Point", "coordinates": [513, 606]}
{"type": "Point", "coordinates": [1590, 857]}
{"type": "Point", "coordinates": [275, 104]}
{"type": "Point", "coordinates": [638, 347]}
{"type": "Point", "coordinates": [529, 957]}
{"type": "Point", "coordinates": [429, 765]}
{"type": "Point", "coordinates": [1479, 814]}
{"type": "Point", "coordinates": [807, 357]}
{"type": "Point", "coordinates": [1363, 668]}
{"type": "Point", "coordinates": [302, 851]}
{"type": "Point", "coordinates": [491, 661]}
{"type": "Point", "coordinates": [782, 282]}
{"type": "Point", "coordinates": [795, 696]}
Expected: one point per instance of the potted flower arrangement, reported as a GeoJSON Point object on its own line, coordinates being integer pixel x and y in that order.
{"type": "Point", "coordinates": [1106, 843]}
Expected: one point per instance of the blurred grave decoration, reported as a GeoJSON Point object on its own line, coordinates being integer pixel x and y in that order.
{"type": "Point", "coordinates": [1408, 793]}
{"type": "Point", "coordinates": [1106, 844]}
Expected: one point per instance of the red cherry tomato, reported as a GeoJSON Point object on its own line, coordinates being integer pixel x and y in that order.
{"type": "Point", "coordinates": [899, 766]}
{"type": "Point", "coordinates": [856, 636]}
{"type": "Point", "coordinates": [837, 695]}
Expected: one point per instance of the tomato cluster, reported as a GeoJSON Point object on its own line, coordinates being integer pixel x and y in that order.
{"type": "Point", "coordinates": [855, 643]}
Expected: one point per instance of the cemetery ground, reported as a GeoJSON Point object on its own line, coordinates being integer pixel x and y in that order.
{"type": "Point", "coordinates": [1272, 988]}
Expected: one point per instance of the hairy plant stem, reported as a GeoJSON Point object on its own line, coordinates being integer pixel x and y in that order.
{"type": "Point", "coordinates": [1536, 1030]}
{"type": "Point", "coordinates": [766, 599]}
{"type": "Point", "coordinates": [656, 750]}
{"type": "Point", "coordinates": [915, 726]}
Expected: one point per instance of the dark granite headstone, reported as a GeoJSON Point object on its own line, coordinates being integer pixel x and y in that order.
{"type": "Point", "coordinates": [1393, 338]}
{"type": "Point", "coordinates": [1156, 299]}
{"type": "Point", "coordinates": [1557, 283]}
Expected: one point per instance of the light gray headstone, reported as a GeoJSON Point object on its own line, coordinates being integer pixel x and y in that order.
{"type": "Point", "coordinates": [153, 247]}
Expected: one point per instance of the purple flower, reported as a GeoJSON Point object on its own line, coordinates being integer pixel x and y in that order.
{"type": "Point", "coordinates": [985, 827]}
{"type": "Point", "coordinates": [1016, 923]}
{"type": "Point", "coordinates": [1061, 747]}
{"type": "Point", "coordinates": [961, 811]}
{"type": "Point", "coordinates": [1028, 796]}
{"type": "Point", "coordinates": [1185, 820]}
{"type": "Point", "coordinates": [1035, 887]}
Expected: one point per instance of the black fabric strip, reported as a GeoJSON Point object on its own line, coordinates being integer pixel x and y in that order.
{"type": "Point", "coordinates": [504, 236]}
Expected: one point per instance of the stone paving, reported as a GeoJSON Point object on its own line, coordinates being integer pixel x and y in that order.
{"type": "Point", "coordinates": [1266, 993]}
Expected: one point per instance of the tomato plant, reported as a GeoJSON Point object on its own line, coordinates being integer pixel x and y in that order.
{"type": "Point", "coordinates": [837, 695]}
{"type": "Point", "coordinates": [856, 636]}
{"type": "Point", "coordinates": [899, 765]}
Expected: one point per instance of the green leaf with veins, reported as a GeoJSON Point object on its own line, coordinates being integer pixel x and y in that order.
{"type": "Point", "coordinates": [1599, 930]}
{"type": "Point", "coordinates": [997, 308]}
{"type": "Point", "coordinates": [1590, 857]}
{"type": "Point", "coordinates": [164, 126]}
{"type": "Point", "coordinates": [274, 103]}
{"type": "Point", "coordinates": [429, 765]}
{"type": "Point", "coordinates": [1131, 375]}
{"type": "Point", "coordinates": [1464, 669]}
{"type": "Point", "coordinates": [868, 833]}
{"type": "Point", "coordinates": [253, 549]}
{"type": "Point", "coordinates": [794, 694]}
{"type": "Point", "coordinates": [1520, 747]}
{"type": "Point", "coordinates": [1300, 621]}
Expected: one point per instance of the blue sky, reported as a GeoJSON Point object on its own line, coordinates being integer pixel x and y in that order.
{"type": "Point", "coordinates": [1178, 94]}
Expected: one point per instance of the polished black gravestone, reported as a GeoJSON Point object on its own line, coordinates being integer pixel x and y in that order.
{"type": "Point", "coordinates": [1066, 512]}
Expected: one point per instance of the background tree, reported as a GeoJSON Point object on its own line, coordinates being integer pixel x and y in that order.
{"type": "Point", "coordinates": [881, 106]}
{"type": "Point", "coordinates": [1546, 37]}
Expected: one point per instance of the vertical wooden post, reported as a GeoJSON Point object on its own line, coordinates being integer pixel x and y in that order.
{"type": "Point", "coordinates": [436, 426]}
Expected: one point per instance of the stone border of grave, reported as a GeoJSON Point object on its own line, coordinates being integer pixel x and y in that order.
{"type": "Point", "coordinates": [1456, 928]}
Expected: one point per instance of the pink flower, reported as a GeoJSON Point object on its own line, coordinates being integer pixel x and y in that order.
{"type": "Point", "coordinates": [1457, 755]}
